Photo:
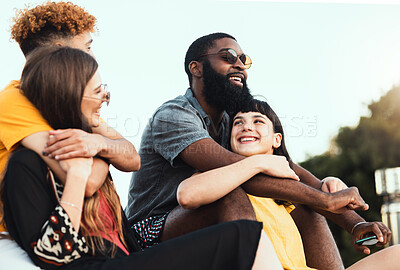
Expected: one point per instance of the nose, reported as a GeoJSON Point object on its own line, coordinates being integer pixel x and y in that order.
{"type": "Point", "coordinates": [248, 127]}
{"type": "Point", "coordinates": [239, 64]}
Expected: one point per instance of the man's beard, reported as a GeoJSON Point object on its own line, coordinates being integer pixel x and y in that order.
{"type": "Point", "coordinates": [220, 92]}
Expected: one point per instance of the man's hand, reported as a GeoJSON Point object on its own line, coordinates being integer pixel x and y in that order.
{"type": "Point", "coordinates": [349, 198]}
{"type": "Point", "coordinates": [72, 143]}
{"type": "Point", "coordinates": [364, 229]}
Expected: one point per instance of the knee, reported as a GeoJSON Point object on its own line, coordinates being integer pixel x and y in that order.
{"type": "Point", "coordinates": [237, 205]}
{"type": "Point", "coordinates": [237, 197]}
{"type": "Point", "coordinates": [393, 251]}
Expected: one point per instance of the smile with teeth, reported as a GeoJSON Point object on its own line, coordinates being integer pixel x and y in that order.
{"type": "Point", "coordinates": [234, 78]}
{"type": "Point", "coordinates": [247, 139]}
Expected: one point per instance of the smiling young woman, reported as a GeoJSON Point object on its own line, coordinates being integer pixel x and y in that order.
{"type": "Point", "coordinates": [58, 226]}
{"type": "Point", "coordinates": [257, 133]}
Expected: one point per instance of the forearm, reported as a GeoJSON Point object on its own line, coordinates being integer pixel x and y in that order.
{"type": "Point", "coordinates": [37, 141]}
{"type": "Point", "coordinates": [207, 187]}
{"type": "Point", "coordinates": [97, 177]}
{"type": "Point", "coordinates": [346, 220]}
{"type": "Point", "coordinates": [286, 189]}
{"type": "Point", "coordinates": [206, 154]}
{"type": "Point", "coordinates": [73, 197]}
{"type": "Point", "coordinates": [121, 153]}
{"type": "Point", "coordinates": [35, 214]}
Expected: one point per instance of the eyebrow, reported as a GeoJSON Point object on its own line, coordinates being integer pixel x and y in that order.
{"type": "Point", "coordinates": [254, 116]}
{"type": "Point", "coordinates": [89, 42]}
{"type": "Point", "coordinates": [224, 49]}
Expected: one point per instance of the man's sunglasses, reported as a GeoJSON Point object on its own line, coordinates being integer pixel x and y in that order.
{"type": "Point", "coordinates": [231, 56]}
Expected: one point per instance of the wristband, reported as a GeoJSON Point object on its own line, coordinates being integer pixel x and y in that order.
{"type": "Point", "coordinates": [361, 222]}
{"type": "Point", "coordinates": [71, 204]}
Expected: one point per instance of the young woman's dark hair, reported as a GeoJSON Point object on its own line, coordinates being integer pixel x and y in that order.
{"type": "Point", "coordinates": [54, 79]}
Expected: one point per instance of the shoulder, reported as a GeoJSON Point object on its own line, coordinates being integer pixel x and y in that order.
{"type": "Point", "coordinates": [12, 93]}
{"type": "Point", "coordinates": [176, 108]}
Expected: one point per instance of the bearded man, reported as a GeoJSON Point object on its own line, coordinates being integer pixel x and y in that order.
{"type": "Point", "coordinates": [190, 134]}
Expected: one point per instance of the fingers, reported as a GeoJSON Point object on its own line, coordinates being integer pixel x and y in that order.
{"type": "Point", "coordinates": [57, 135]}
{"type": "Point", "coordinates": [349, 198]}
{"type": "Point", "coordinates": [377, 231]}
{"type": "Point", "coordinates": [294, 176]}
{"type": "Point", "coordinates": [382, 232]}
{"type": "Point", "coordinates": [365, 229]}
{"type": "Point", "coordinates": [277, 166]}
{"type": "Point", "coordinates": [71, 151]}
{"type": "Point", "coordinates": [325, 188]}
{"type": "Point", "coordinates": [361, 248]}
{"type": "Point", "coordinates": [73, 154]}
{"type": "Point", "coordinates": [366, 250]}
{"type": "Point", "coordinates": [55, 148]}
{"type": "Point", "coordinates": [357, 203]}
{"type": "Point", "coordinates": [70, 143]}
{"type": "Point", "coordinates": [358, 206]}
{"type": "Point", "coordinates": [332, 184]}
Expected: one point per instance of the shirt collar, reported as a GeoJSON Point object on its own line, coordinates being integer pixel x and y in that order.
{"type": "Point", "coordinates": [225, 118]}
{"type": "Point", "coordinates": [195, 103]}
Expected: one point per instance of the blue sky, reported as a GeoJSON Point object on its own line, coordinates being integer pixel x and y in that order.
{"type": "Point", "coordinates": [318, 63]}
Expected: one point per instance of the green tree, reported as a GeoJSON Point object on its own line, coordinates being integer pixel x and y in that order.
{"type": "Point", "coordinates": [356, 152]}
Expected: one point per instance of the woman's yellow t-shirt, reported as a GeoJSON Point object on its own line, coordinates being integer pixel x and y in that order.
{"type": "Point", "coordinates": [282, 231]}
{"type": "Point", "coordinates": [18, 119]}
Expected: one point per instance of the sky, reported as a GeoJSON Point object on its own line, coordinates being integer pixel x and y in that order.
{"type": "Point", "coordinates": [318, 63]}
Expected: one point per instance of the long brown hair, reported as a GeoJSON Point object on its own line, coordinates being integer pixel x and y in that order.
{"type": "Point", "coordinates": [54, 79]}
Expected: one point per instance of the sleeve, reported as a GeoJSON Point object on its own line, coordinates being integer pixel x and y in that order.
{"type": "Point", "coordinates": [58, 242]}
{"type": "Point", "coordinates": [18, 117]}
{"type": "Point", "coordinates": [33, 216]}
{"type": "Point", "coordinates": [174, 128]}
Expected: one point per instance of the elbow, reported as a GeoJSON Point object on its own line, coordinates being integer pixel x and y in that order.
{"type": "Point", "coordinates": [136, 162]}
{"type": "Point", "coordinates": [132, 165]}
{"type": "Point", "coordinates": [185, 199]}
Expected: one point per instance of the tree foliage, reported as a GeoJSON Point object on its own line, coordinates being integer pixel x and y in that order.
{"type": "Point", "coordinates": [356, 153]}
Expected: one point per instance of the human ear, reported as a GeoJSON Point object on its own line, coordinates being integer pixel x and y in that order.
{"type": "Point", "coordinates": [277, 140]}
{"type": "Point", "coordinates": [196, 69]}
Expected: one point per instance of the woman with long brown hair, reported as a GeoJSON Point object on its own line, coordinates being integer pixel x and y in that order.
{"type": "Point", "coordinates": [59, 227]}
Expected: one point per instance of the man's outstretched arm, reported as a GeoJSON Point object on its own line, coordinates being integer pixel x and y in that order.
{"type": "Point", "coordinates": [348, 220]}
{"type": "Point", "coordinates": [206, 154]}
{"type": "Point", "coordinates": [37, 141]}
{"type": "Point", "coordinates": [104, 141]}
{"type": "Point", "coordinates": [121, 153]}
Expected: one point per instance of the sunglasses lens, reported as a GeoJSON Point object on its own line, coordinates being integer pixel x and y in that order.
{"type": "Point", "coordinates": [245, 60]}
{"type": "Point", "coordinates": [108, 96]}
{"type": "Point", "coordinates": [231, 56]}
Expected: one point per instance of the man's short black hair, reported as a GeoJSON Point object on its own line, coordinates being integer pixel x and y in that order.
{"type": "Point", "coordinates": [199, 47]}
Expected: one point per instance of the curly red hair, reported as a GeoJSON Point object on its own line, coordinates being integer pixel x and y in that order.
{"type": "Point", "coordinates": [52, 20]}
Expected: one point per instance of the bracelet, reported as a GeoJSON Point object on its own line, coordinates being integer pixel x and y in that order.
{"type": "Point", "coordinates": [71, 204]}
{"type": "Point", "coordinates": [361, 222]}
